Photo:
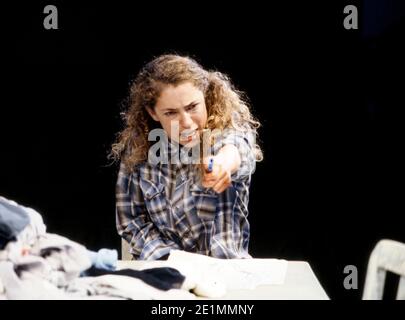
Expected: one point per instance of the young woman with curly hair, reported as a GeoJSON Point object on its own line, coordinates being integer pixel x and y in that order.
{"type": "Point", "coordinates": [197, 207]}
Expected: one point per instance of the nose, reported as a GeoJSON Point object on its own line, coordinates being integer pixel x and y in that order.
{"type": "Point", "coordinates": [185, 121]}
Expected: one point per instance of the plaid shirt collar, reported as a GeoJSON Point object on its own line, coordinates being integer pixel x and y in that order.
{"type": "Point", "coordinates": [174, 154]}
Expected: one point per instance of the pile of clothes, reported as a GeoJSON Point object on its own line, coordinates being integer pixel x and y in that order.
{"type": "Point", "coordinates": [35, 264]}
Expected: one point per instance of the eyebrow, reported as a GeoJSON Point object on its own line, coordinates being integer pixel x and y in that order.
{"type": "Point", "coordinates": [172, 109]}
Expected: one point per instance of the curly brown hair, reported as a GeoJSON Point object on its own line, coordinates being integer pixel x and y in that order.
{"type": "Point", "coordinates": [226, 106]}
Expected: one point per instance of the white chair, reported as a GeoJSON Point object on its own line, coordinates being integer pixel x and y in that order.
{"type": "Point", "coordinates": [388, 255]}
{"type": "Point", "coordinates": [125, 247]}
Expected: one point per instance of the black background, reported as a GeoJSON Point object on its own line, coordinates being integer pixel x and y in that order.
{"type": "Point", "coordinates": [330, 100]}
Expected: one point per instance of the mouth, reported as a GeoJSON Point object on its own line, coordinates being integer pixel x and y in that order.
{"type": "Point", "coordinates": [188, 135]}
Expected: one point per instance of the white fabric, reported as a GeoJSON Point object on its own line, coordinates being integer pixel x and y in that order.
{"type": "Point", "coordinates": [27, 286]}
{"type": "Point", "coordinates": [233, 273]}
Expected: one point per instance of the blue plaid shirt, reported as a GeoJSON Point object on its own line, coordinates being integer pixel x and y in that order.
{"type": "Point", "coordinates": [160, 207]}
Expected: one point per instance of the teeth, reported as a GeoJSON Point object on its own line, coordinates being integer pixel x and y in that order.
{"type": "Point", "coordinates": [188, 134]}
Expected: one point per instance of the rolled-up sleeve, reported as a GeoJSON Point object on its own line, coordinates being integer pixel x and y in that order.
{"type": "Point", "coordinates": [133, 222]}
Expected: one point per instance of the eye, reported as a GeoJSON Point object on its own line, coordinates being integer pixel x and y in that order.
{"type": "Point", "coordinates": [169, 113]}
{"type": "Point", "coordinates": [192, 107]}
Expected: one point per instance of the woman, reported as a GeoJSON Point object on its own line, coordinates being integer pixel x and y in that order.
{"type": "Point", "coordinates": [164, 202]}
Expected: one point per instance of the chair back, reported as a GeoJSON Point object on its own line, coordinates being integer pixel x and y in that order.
{"type": "Point", "coordinates": [387, 255]}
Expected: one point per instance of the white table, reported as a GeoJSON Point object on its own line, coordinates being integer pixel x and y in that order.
{"type": "Point", "coordinates": [300, 283]}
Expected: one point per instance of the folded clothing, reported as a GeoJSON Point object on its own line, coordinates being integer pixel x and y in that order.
{"type": "Point", "coordinates": [35, 264]}
{"type": "Point", "coordinates": [160, 278]}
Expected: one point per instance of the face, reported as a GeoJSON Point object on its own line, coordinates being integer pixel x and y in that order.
{"type": "Point", "coordinates": [181, 112]}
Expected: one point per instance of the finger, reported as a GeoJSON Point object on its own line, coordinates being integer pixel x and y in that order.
{"type": "Point", "coordinates": [221, 183]}
{"type": "Point", "coordinates": [209, 176]}
{"type": "Point", "coordinates": [220, 177]}
{"type": "Point", "coordinates": [211, 181]}
{"type": "Point", "coordinates": [208, 184]}
{"type": "Point", "coordinates": [226, 185]}
{"type": "Point", "coordinates": [216, 169]}
{"type": "Point", "coordinates": [213, 176]}
{"type": "Point", "coordinates": [222, 187]}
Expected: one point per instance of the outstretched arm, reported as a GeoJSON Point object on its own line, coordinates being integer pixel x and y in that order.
{"type": "Point", "coordinates": [224, 164]}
